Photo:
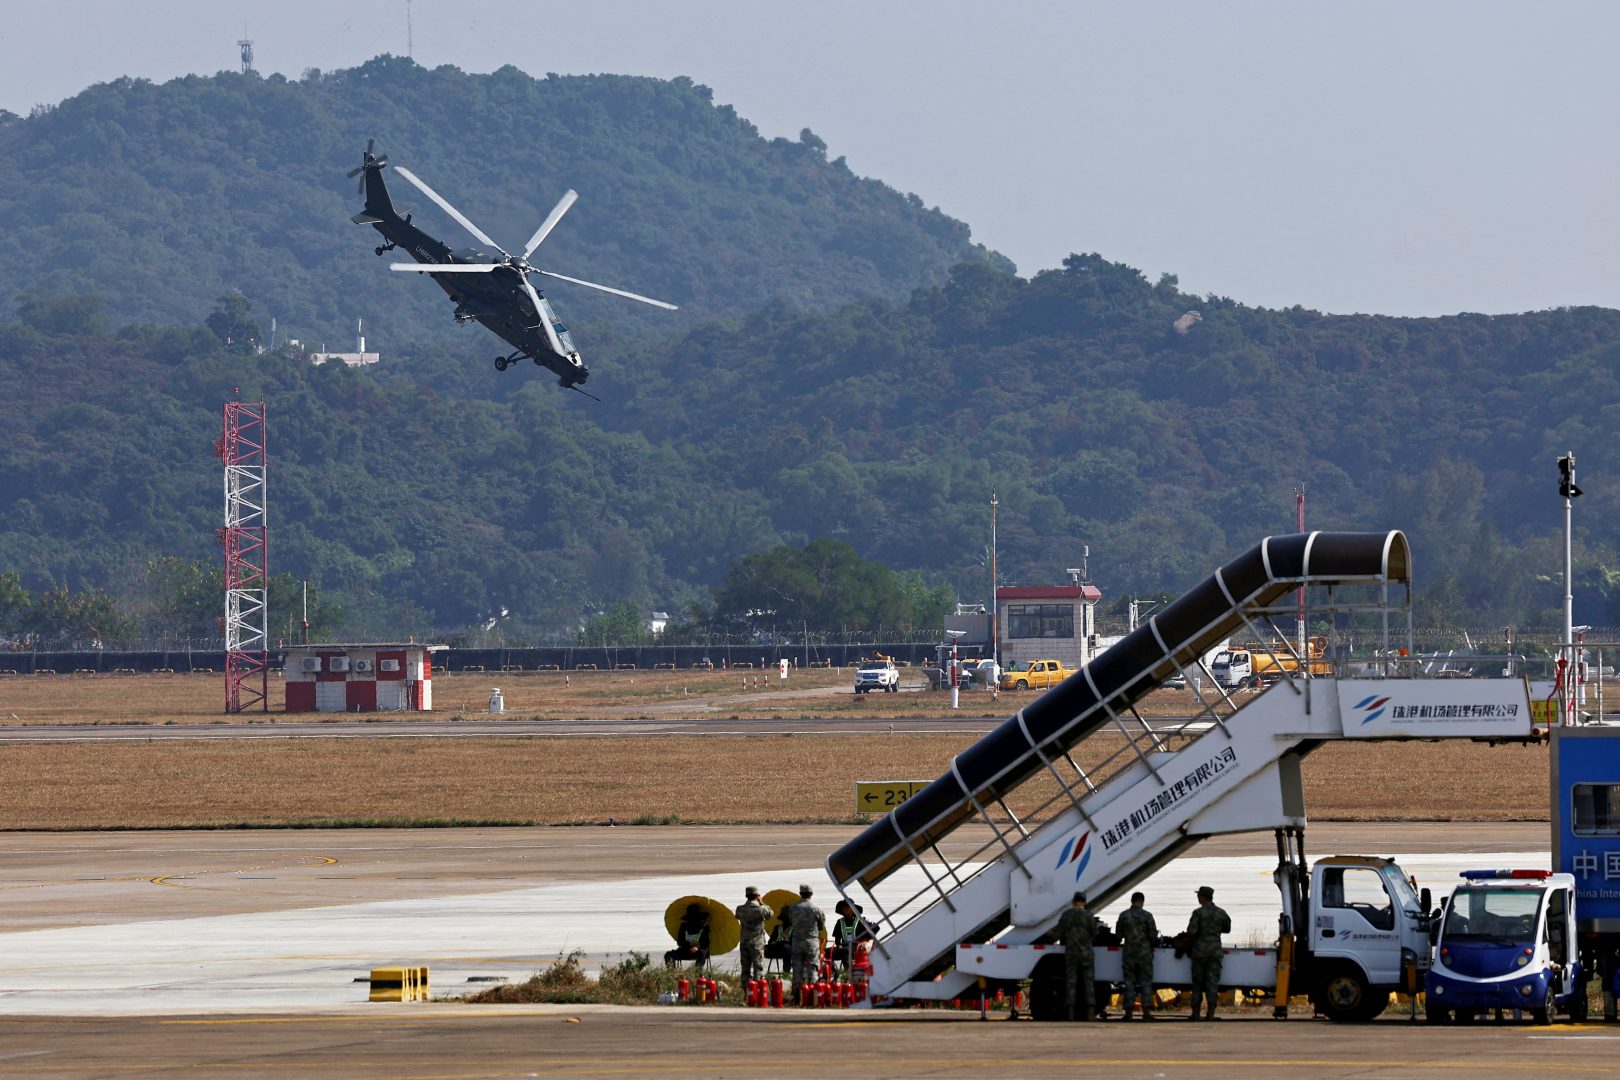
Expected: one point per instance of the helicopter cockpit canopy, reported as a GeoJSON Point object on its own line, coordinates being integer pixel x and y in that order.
{"type": "Point", "coordinates": [562, 331]}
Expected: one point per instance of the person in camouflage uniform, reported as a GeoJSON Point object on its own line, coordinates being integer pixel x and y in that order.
{"type": "Point", "coordinates": [1137, 932]}
{"type": "Point", "coordinates": [1204, 932]}
{"type": "Point", "coordinates": [753, 915]}
{"type": "Point", "coordinates": [807, 930]}
{"type": "Point", "coordinates": [1077, 930]}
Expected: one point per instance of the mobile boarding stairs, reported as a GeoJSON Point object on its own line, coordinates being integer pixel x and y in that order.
{"type": "Point", "coordinates": [1147, 794]}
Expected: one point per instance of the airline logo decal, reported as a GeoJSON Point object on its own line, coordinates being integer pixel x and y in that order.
{"type": "Point", "coordinates": [1372, 706]}
{"type": "Point", "coordinates": [1076, 851]}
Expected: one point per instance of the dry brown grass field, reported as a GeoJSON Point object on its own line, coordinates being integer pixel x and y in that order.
{"type": "Point", "coordinates": [200, 699]}
{"type": "Point", "coordinates": [571, 780]}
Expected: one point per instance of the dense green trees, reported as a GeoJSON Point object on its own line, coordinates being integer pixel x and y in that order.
{"type": "Point", "coordinates": [828, 586]}
{"type": "Point", "coordinates": [422, 498]}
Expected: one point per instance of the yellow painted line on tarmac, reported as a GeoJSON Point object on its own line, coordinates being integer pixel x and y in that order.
{"type": "Point", "coordinates": [318, 860]}
{"type": "Point", "coordinates": [164, 880]}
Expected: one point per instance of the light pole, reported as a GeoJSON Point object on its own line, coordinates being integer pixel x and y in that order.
{"type": "Point", "coordinates": [956, 690]}
{"type": "Point", "coordinates": [995, 606]}
{"type": "Point", "coordinates": [1567, 488]}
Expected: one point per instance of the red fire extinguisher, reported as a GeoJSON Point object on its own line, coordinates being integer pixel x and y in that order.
{"type": "Point", "coordinates": [683, 989]}
{"type": "Point", "coordinates": [776, 993]}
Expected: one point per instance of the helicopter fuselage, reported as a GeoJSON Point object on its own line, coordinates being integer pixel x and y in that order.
{"type": "Point", "coordinates": [497, 299]}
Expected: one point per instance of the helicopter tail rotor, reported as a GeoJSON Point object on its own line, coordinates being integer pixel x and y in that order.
{"type": "Point", "coordinates": [367, 161]}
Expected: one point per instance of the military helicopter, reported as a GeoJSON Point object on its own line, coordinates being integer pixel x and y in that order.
{"type": "Point", "coordinates": [501, 296]}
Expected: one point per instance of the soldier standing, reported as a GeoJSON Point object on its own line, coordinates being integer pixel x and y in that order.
{"type": "Point", "coordinates": [1204, 932]}
{"type": "Point", "coordinates": [753, 915]}
{"type": "Point", "coordinates": [1137, 932]}
{"type": "Point", "coordinates": [807, 931]}
{"type": "Point", "coordinates": [1077, 929]}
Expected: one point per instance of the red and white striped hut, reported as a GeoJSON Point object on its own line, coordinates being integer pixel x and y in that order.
{"type": "Point", "coordinates": [360, 678]}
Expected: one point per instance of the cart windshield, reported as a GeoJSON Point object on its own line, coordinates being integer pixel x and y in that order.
{"type": "Point", "coordinates": [1506, 916]}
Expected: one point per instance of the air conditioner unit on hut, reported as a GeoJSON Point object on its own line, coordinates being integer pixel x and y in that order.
{"type": "Point", "coordinates": [388, 665]}
{"type": "Point", "coordinates": [362, 665]}
{"type": "Point", "coordinates": [340, 663]}
{"type": "Point", "coordinates": [312, 663]}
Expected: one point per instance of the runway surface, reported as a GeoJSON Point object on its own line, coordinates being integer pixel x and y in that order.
{"type": "Point", "coordinates": [236, 953]}
{"type": "Point", "coordinates": [227, 921]}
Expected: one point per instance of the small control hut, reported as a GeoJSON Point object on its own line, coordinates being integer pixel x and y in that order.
{"type": "Point", "coordinates": [360, 678]}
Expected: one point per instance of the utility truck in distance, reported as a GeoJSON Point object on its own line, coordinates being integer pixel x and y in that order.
{"type": "Point", "coordinates": [1254, 666]}
{"type": "Point", "coordinates": [1507, 941]}
{"type": "Point", "coordinates": [877, 675]}
{"type": "Point", "coordinates": [1036, 675]}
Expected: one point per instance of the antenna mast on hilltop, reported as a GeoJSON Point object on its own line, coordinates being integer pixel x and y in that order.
{"type": "Point", "coordinates": [247, 560]}
{"type": "Point", "coordinates": [246, 45]}
{"type": "Point", "coordinates": [410, 44]}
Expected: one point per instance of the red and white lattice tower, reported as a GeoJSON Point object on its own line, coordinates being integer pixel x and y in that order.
{"type": "Point", "coordinates": [247, 558]}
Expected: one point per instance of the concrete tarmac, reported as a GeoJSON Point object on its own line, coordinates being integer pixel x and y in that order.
{"type": "Point", "coordinates": [235, 953]}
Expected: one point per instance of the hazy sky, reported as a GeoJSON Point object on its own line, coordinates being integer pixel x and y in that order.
{"type": "Point", "coordinates": [1399, 157]}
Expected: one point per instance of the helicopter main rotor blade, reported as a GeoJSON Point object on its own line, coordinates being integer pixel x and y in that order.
{"type": "Point", "coordinates": [447, 208]}
{"type": "Point", "coordinates": [606, 289]}
{"type": "Point", "coordinates": [447, 268]}
{"type": "Point", "coordinates": [551, 221]}
{"type": "Point", "coordinates": [540, 313]}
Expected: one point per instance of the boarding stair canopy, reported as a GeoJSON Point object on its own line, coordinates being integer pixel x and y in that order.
{"type": "Point", "coordinates": [1170, 642]}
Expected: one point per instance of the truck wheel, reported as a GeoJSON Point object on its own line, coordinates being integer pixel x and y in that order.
{"type": "Point", "coordinates": [892, 688]}
{"type": "Point", "coordinates": [1046, 991]}
{"type": "Point", "coordinates": [1544, 1014]}
{"type": "Point", "coordinates": [1021, 684]}
{"type": "Point", "coordinates": [1345, 996]}
{"type": "Point", "coordinates": [1576, 1010]}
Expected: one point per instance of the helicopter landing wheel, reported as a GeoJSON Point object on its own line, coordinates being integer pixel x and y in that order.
{"type": "Point", "coordinates": [501, 362]}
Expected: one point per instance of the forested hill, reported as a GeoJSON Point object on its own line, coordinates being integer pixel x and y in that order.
{"type": "Point", "coordinates": [160, 197]}
{"type": "Point", "coordinates": [1090, 400]}
{"type": "Point", "coordinates": [1165, 430]}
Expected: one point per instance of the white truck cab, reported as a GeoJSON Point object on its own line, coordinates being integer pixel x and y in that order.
{"type": "Point", "coordinates": [1367, 928]}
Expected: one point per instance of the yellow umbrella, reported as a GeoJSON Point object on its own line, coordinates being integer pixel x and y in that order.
{"type": "Point", "coordinates": [724, 930]}
{"type": "Point", "coordinates": [778, 901]}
